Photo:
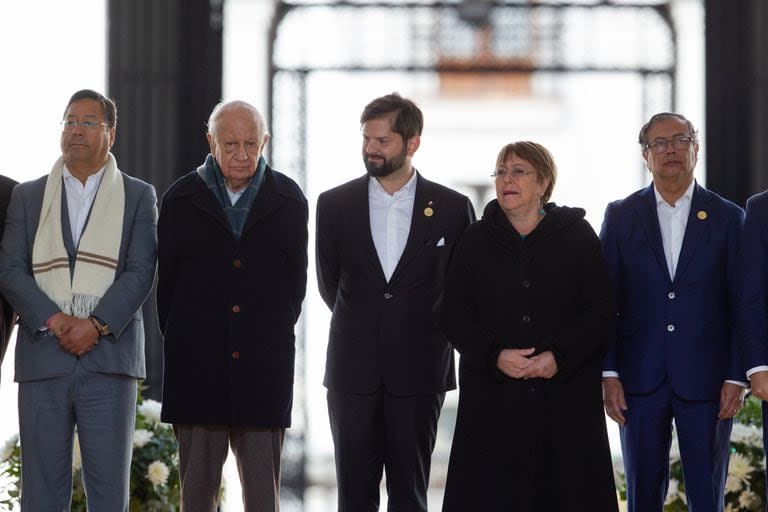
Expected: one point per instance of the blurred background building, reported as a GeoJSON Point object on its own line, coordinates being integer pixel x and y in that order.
{"type": "Point", "coordinates": [579, 76]}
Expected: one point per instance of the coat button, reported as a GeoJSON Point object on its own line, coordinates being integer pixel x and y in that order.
{"type": "Point", "coordinates": [525, 319]}
{"type": "Point", "coordinates": [235, 355]}
{"type": "Point", "coordinates": [237, 263]}
{"type": "Point", "coordinates": [670, 328]}
{"type": "Point", "coordinates": [235, 308]}
{"type": "Point", "coordinates": [387, 295]}
{"type": "Point", "coordinates": [525, 284]}
{"type": "Point", "coordinates": [671, 295]}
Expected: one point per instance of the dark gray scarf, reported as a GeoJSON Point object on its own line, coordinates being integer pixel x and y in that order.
{"type": "Point", "coordinates": [237, 213]}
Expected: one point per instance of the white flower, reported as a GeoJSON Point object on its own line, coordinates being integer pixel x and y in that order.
{"type": "Point", "coordinates": [157, 473]}
{"type": "Point", "coordinates": [749, 500]}
{"type": "Point", "coordinates": [150, 409]}
{"type": "Point", "coordinates": [141, 437]}
{"type": "Point", "coordinates": [8, 447]}
{"type": "Point", "coordinates": [672, 492]}
{"type": "Point", "coordinates": [749, 435]}
{"type": "Point", "coordinates": [77, 461]}
{"type": "Point", "coordinates": [739, 469]}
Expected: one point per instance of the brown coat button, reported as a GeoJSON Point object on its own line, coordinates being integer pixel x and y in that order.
{"type": "Point", "coordinates": [235, 355]}
{"type": "Point", "coordinates": [236, 308]}
{"type": "Point", "coordinates": [237, 263]}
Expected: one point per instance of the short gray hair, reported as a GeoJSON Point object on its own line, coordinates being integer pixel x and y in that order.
{"type": "Point", "coordinates": [236, 106]}
{"type": "Point", "coordinates": [643, 136]}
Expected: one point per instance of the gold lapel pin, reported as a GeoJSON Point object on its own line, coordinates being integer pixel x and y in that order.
{"type": "Point", "coordinates": [701, 215]}
{"type": "Point", "coordinates": [428, 211]}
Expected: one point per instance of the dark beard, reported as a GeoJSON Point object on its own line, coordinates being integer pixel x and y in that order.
{"type": "Point", "coordinates": [388, 167]}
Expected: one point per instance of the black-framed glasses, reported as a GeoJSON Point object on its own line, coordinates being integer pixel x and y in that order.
{"type": "Point", "coordinates": [515, 173]}
{"type": "Point", "coordinates": [70, 124]}
{"type": "Point", "coordinates": [679, 142]}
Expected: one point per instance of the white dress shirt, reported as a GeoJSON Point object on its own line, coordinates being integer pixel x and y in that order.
{"type": "Point", "coordinates": [390, 221]}
{"type": "Point", "coordinates": [672, 222]}
{"type": "Point", "coordinates": [79, 200]}
{"type": "Point", "coordinates": [234, 196]}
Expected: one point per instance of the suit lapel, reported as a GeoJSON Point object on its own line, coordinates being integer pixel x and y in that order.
{"type": "Point", "coordinates": [695, 230]}
{"type": "Point", "coordinates": [359, 223]}
{"type": "Point", "coordinates": [66, 231]}
{"type": "Point", "coordinates": [649, 218]}
{"type": "Point", "coordinates": [421, 224]}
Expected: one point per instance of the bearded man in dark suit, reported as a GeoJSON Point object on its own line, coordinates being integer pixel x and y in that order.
{"type": "Point", "coordinates": [383, 244]}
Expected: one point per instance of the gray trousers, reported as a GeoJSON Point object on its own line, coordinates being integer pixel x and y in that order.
{"type": "Point", "coordinates": [103, 407]}
{"type": "Point", "coordinates": [202, 452]}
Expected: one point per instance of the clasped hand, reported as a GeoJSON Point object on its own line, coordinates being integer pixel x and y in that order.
{"type": "Point", "coordinates": [519, 363]}
{"type": "Point", "coordinates": [76, 335]}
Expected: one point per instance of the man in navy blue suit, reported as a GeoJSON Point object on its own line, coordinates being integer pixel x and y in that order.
{"type": "Point", "coordinates": [754, 308]}
{"type": "Point", "coordinates": [672, 251]}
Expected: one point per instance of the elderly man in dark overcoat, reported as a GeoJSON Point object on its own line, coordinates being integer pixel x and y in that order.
{"type": "Point", "coordinates": [232, 275]}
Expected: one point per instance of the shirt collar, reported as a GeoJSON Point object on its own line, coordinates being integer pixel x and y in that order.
{"type": "Point", "coordinates": [68, 174]}
{"type": "Point", "coordinates": [688, 194]}
{"type": "Point", "coordinates": [374, 187]}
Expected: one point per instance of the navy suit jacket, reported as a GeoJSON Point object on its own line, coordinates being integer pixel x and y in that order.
{"type": "Point", "coordinates": [38, 354]}
{"type": "Point", "coordinates": [754, 283]}
{"type": "Point", "coordinates": [679, 329]}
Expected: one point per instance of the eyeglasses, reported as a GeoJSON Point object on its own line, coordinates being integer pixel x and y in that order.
{"type": "Point", "coordinates": [515, 173]}
{"type": "Point", "coordinates": [660, 145]}
{"type": "Point", "coordinates": [68, 124]}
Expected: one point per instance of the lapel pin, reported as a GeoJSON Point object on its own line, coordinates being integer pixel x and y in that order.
{"type": "Point", "coordinates": [701, 215]}
{"type": "Point", "coordinates": [428, 211]}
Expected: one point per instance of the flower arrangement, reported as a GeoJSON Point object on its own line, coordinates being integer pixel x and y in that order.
{"type": "Point", "coordinates": [745, 485]}
{"type": "Point", "coordinates": [154, 467]}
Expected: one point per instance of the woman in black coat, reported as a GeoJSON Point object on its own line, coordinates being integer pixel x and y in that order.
{"type": "Point", "coordinates": [528, 305]}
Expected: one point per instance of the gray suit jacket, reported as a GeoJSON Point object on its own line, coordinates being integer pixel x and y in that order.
{"type": "Point", "coordinates": [38, 353]}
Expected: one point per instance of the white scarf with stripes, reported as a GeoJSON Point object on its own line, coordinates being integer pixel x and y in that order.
{"type": "Point", "coordinates": [97, 253]}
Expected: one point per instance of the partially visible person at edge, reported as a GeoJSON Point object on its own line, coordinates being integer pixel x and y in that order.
{"type": "Point", "coordinates": [232, 273]}
{"type": "Point", "coordinates": [7, 316]}
{"type": "Point", "coordinates": [77, 263]}
{"type": "Point", "coordinates": [753, 309]}
{"type": "Point", "coordinates": [672, 250]}
{"type": "Point", "coordinates": [529, 306]}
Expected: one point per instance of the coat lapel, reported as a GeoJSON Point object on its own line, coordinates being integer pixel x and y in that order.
{"type": "Point", "coordinates": [265, 202]}
{"type": "Point", "coordinates": [649, 218]}
{"type": "Point", "coordinates": [421, 224]}
{"type": "Point", "coordinates": [203, 199]}
{"type": "Point", "coordinates": [695, 230]}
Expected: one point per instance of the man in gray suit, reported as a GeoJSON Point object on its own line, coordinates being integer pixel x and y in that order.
{"type": "Point", "coordinates": [77, 262]}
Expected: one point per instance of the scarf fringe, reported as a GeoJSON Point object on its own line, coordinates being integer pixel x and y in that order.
{"type": "Point", "coordinates": [80, 306]}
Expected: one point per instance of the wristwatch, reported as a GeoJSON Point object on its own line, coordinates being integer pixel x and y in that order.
{"type": "Point", "coordinates": [100, 326]}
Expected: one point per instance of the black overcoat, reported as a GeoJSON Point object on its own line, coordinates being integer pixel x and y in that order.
{"type": "Point", "coordinates": [227, 307]}
{"type": "Point", "coordinates": [530, 445]}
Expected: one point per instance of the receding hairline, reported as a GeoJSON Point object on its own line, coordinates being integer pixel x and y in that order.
{"type": "Point", "coordinates": [642, 137]}
{"type": "Point", "coordinates": [236, 106]}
